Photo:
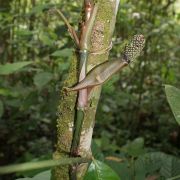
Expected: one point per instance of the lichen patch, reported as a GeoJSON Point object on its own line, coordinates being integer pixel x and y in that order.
{"type": "Point", "coordinates": [85, 142]}
{"type": "Point", "coordinates": [98, 36]}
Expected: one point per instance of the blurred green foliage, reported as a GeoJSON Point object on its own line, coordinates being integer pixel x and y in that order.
{"type": "Point", "coordinates": [133, 105]}
{"type": "Point", "coordinates": [173, 97]}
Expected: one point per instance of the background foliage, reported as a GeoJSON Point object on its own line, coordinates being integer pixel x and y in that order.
{"type": "Point", "coordinates": [133, 115]}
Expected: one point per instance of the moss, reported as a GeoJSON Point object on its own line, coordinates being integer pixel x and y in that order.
{"type": "Point", "coordinates": [60, 173]}
{"type": "Point", "coordinates": [65, 119]}
{"type": "Point", "coordinates": [106, 18]}
{"type": "Point", "coordinates": [66, 109]}
{"type": "Point", "coordinates": [100, 39]}
{"type": "Point", "coordinates": [102, 28]}
{"type": "Point", "coordinates": [73, 71]}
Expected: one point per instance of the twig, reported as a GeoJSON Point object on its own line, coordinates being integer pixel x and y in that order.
{"type": "Point", "coordinates": [70, 28]}
{"type": "Point", "coordinates": [41, 164]}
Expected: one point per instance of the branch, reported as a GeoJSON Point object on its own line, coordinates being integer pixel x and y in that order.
{"type": "Point", "coordinates": [41, 164]}
{"type": "Point", "coordinates": [70, 28]}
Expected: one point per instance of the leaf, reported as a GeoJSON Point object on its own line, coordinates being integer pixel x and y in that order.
{"type": "Point", "coordinates": [99, 74]}
{"type": "Point", "coordinates": [14, 102]}
{"type": "Point", "coordinates": [46, 40]}
{"type": "Point", "coordinates": [121, 168]}
{"type": "Point", "coordinates": [39, 8]}
{"type": "Point", "coordinates": [150, 162]}
{"type": "Point", "coordinates": [29, 100]}
{"type": "Point", "coordinates": [1, 109]}
{"type": "Point", "coordinates": [13, 67]}
{"type": "Point", "coordinates": [170, 166]}
{"type": "Point", "coordinates": [46, 175]}
{"type": "Point", "coordinates": [166, 165]}
{"type": "Point", "coordinates": [100, 171]}
{"type": "Point", "coordinates": [7, 92]}
{"type": "Point", "coordinates": [173, 97]}
{"type": "Point", "coordinates": [62, 53]}
{"type": "Point", "coordinates": [42, 78]}
{"type": "Point", "coordinates": [135, 148]}
{"type": "Point", "coordinates": [96, 151]}
{"type": "Point", "coordinates": [156, 163]}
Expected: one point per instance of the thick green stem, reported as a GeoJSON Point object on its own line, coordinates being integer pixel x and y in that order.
{"type": "Point", "coordinates": [66, 114]}
{"type": "Point", "coordinates": [77, 131]}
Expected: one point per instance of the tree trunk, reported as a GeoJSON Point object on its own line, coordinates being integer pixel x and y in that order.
{"type": "Point", "coordinates": [100, 42]}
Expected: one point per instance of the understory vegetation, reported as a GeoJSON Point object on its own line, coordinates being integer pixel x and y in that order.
{"type": "Point", "coordinates": [136, 132]}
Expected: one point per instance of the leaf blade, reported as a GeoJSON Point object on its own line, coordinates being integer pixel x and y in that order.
{"type": "Point", "coordinates": [173, 97]}
{"type": "Point", "coordinates": [42, 78]}
{"type": "Point", "coordinates": [10, 68]}
{"type": "Point", "coordinates": [100, 171]}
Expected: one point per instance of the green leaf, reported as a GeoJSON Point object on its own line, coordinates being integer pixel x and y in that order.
{"type": "Point", "coordinates": [46, 175]}
{"type": "Point", "coordinates": [166, 165]}
{"type": "Point", "coordinates": [46, 40]}
{"type": "Point", "coordinates": [135, 148]}
{"type": "Point", "coordinates": [23, 32]}
{"type": "Point", "coordinates": [62, 53]}
{"type": "Point", "coordinates": [14, 102]}
{"type": "Point", "coordinates": [170, 166]}
{"type": "Point", "coordinates": [121, 168]}
{"type": "Point", "coordinates": [39, 8]}
{"type": "Point", "coordinates": [96, 151]}
{"type": "Point", "coordinates": [29, 100]}
{"type": "Point", "coordinates": [42, 78]}
{"type": "Point", "coordinates": [1, 108]}
{"type": "Point", "coordinates": [7, 92]}
{"type": "Point", "coordinates": [100, 171]}
{"type": "Point", "coordinates": [173, 97]}
{"type": "Point", "coordinates": [13, 67]}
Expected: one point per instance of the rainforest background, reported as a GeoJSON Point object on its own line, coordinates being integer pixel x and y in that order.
{"type": "Point", "coordinates": [133, 115]}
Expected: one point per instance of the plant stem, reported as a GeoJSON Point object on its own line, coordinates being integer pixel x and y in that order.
{"type": "Point", "coordinates": [41, 164]}
{"type": "Point", "coordinates": [70, 28]}
{"type": "Point", "coordinates": [82, 96]}
{"type": "Point", "coordinates": [86, 34]}
{"type": "Point", "coordinates": [99, 39]}
{"type": "Point", "coordinates": [77, 131]}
